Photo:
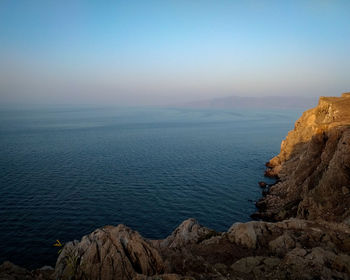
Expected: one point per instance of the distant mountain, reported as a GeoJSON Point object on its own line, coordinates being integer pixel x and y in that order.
{"type": "Point", "coordinates": [276, 102]}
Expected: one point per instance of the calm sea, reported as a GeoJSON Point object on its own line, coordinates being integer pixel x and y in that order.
{"type": "Point", "coordinates": [65, 171]}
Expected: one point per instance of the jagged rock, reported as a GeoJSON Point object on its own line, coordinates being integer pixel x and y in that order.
{"type": "Point", "coordinates": [196, 251]}
{"type": "Point", "coordinates": [279, 239]}
{"type": "Point", "coordinates": [109, 253]}
{"type": "Point", "coordinates": [256, 267]}
{"type": "Point", "coordinates": [313, 167]}
{"type": "Point", "coordinates": [243, 234]}
{"type": "Point", "coordinates": [10, 271]}
{"type": "Point", "coordinates": [314, 263]}
{"type": "Point", "coordinates": [291, 249]}
{"type": "Point", "coordinates": [282, 244]}
{"type": "Point", "coordinates": [189, 232]}
{"type": "Point", "coordinates": [246, 265]}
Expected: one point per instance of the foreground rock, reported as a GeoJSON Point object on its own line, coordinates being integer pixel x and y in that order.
{"type": "Point", "coordinates": [10, 271]}
{"type": "Point", "coordinates": [292, 249]}
{"type": "Point", "coordinates": [313, 167]}
{"type": "Point", "coordinates": [109, 253]}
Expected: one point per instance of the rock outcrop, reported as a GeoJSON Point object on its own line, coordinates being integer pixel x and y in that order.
{"type": "Point", "coordinates": [292, 249]}
{"type": "Point", "coordinates": [109, 253]}
{"type": "Point", "coordinates": [10, 271]}
{"type": "Point", "coordinates": [313, 167]}
{"type": "Point", "coordinates": [309, 238]}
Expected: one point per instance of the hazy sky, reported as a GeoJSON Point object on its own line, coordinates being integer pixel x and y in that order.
{"type": "Point", "coordinates": [163, 52]}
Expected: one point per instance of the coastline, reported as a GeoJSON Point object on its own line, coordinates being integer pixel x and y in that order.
{"type": "Point", "coordinates": [309, 236]}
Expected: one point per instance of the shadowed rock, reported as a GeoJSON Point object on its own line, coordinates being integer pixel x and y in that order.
{"type": "Point", "coordinates": [189, 232]}
{"type": "Point", "coordinates": [10, 271]}
{"type": "Point", "coordinates": [313, 167]}
{"type": "Point", "coordinates": [291, 249]}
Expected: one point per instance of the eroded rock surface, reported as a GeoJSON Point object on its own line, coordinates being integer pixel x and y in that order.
{"type": "Point", "coordinates": [109, 253]}
{"type": "Point", "coordinates": [10, 271]}
{"type": "Point", "coordinates": [313, 167]}
{"type": "Point", "coordinates": [291, 249]}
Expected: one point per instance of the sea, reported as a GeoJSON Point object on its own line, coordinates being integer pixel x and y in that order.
{"type": "Point", "coordinates": [68, 170]}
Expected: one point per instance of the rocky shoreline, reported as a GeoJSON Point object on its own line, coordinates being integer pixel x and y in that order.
{"type": "Point", "coordinates": [313, 167]}
{"type": "Point", "coordinates": [304, 232]}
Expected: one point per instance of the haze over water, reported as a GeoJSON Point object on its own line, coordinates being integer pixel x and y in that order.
{"type": "Point", "coordinates": [168, 52]}
{"type": "Point", "coordinates": [67, 169]}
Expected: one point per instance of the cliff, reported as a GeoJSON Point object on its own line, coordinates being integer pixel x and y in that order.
{"type": "Point", "coordinates": [309, 238]}
{"type": "Point", "coordinates": [313, 167]}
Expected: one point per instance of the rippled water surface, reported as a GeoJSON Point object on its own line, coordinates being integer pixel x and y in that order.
{"type": "Point", "coordinates": [66, 171]}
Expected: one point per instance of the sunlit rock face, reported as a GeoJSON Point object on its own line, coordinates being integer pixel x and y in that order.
{"type": "Point", "coordinates": [109, 253]}
{"type": "Point", "coordinates": [291, 249]}
{"type": "Point", "coordinates": [313, 167]}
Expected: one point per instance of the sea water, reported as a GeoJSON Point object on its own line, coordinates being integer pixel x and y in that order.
{"type": "Point", "coordinates": [65, 171]}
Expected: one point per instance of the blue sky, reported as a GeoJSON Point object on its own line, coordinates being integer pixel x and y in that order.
{"type": "Point", "coordinates": [164, 52]}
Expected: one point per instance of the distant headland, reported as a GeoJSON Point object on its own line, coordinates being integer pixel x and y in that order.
{"type": "Point", "coordinates": [262, 102]}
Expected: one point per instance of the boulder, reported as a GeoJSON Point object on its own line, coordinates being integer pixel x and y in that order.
{"type": "Point", "coordinates": [243, 234]}
{"type": "Point", "coordinates": [188, 232]}
{"type": "Point", "coordinates": [109, 253]}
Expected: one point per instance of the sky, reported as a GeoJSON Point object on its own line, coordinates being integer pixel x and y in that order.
{"type": "Point", "coordinates": [166, 52]}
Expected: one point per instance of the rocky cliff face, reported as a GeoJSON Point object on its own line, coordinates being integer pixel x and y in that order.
{"type": "Point", "coordinates": [313, 167]}
{"type": "Point", "coordinates": [310, 240]}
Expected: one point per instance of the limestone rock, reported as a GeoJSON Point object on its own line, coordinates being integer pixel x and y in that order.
{"type": "Point", "coordinates": [257, 267]}
{"type": "Point", "coordinates": [282, 244]}
{"type": "Point", "coordinates": [290, 249]}
{"type": "Point", "coordinates": [109, 253]}
{"type": "Point", "coordinates": [244, 234]}
{"type": "Point", "coordinates": [10, 271]}
{"type": "Point", "coordinates": [189, 232]}
{"type": "Point", "coordinates": [313, 167]}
